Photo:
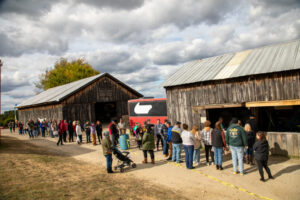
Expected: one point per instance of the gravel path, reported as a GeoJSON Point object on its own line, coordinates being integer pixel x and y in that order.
{"type": "Point", "coordinates": [205, 182]}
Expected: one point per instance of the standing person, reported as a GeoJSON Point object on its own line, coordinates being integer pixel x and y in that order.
{"type": "Point", "coordinates": [61, 129]}
{"type": "Point", "coordinates": [20, 126]}
{"type": "Point", "coordinates": [78, 132]}
{"type": "Point", "coordinates": [122, 127]}
{"type": "Point", "coordinates": [30, 125]}
{"type": "Point", "coordinates": [218, 143]}
{"type": "Point", "coordinates": [43, 128]}
{"type": "Point", "coordinates": [176, 142]}
{"type": "Point", "coordinates": [164, 134]}
{"type": "Point", "coordinates": [148, 144]}
{"type": "Point", "coordinates": [113, 130]}
{"type": "Point", "coordinates": [236, 140]}
{"type": "Point", "coordinates": [14, 125]}
{"type": "Point", "coordinates": [87, 128]}
{"type": "Point", "coordinates": [169, 140]}
{"type": "Point", "coordinates": [66, 131]}
{"type": "Point", "coordinates": [54, 129]}
{"type": "Point", "coordinates": [206, 138]}
{"type": "Point", "coordinates": [99, 131]}
{"type": "Point", "coordinates": [107, 151]}
{"type": "Point", "coordinates": [157, 132]}
{"type": "Point", "coordinates": [51, 129]}
{"type": "Point", "coordinates": [93, 134]}
{"type": "Point", "coordinates": [221, 123]}
{"type": "Point", "coordinates": [188, 141]}
{"type": "Point", "coordinates": [251, 140]}
{"type": "Point", "coordinates": [10, 125]}
{"type": "Point", "coordinates": [139, 132]}
{"type": "Point", "coordinates": [71, 131]}
{"type": "Point", "coordinates": [253, 123]}
{"type": "Point", "coordinates": [197, 144]}
{"type": "Point", "coordinates": [37, 124]}
{"type": "Point", "coordinates": [36, 129]}
{"type": "Point", "coordinates": [261, 148]}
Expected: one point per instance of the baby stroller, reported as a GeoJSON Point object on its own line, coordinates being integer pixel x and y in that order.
{"type": "Point", "coordinates": [123, 159]}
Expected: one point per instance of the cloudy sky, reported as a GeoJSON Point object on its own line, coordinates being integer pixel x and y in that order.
{"type": "Point", "coordinates": [141, 42]}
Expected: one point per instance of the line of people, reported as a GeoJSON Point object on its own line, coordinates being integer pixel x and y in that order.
{"type": "Point", "coordinates": [242, 142]}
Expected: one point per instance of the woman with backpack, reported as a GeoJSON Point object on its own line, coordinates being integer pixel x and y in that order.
{"type": "Point", "coordinates": [148, 143]}
{"type": "Point", "coordinates": [218, 143]}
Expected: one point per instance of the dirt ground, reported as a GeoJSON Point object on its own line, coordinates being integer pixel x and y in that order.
{"type": "Point", "coordinates": [205, 182]}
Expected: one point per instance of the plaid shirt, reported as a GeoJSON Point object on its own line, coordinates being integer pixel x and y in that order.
{"type": "Point", "coordinates": [206, 136]}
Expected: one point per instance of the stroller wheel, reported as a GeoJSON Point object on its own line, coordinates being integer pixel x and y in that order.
{"type": "Point", "coordinates": [133, 165]}
{"type": "Point", "coordinates": [121, 169]}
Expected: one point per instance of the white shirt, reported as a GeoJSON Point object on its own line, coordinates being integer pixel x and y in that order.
{"type": "Point", "coordinates": [78, 130]}
{"type": "Point", "coordinates": [187, 138]}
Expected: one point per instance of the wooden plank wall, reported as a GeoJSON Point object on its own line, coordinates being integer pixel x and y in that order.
{"type": "Point", "coordinates": [284, 144]}
{"type": "Point", "coordinates": [80, 106]}
{"type": "Point", "coordinates": [270, 87]}
{"type": "Point", "coordinates": [49, 112]}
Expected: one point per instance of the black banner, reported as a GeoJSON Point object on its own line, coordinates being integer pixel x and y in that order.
{"type": "Point", "coordinates": [148, 108]}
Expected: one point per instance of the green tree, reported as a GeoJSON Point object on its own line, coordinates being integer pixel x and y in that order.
{"type": "Point", "coordinates": [65, 72]}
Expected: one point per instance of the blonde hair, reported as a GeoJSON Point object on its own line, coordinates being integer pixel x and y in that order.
{"type": "Point", "coordinates": [207, 123]}
{"type": "Point", "coordinates": [248, 128]}
{"type": "Point", "coordinates": [194, 129]}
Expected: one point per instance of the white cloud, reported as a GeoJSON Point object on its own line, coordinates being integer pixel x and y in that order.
{"type": "Point", "coordinates": [140, 42]}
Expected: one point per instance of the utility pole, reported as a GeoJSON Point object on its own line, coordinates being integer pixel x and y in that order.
{"type": "Point", "coordinates": [0, 95]}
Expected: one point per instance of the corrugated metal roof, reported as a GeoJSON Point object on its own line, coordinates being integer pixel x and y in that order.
{"type": "Point", "coordinates": [268, 59]}
{"type": "Point", "coordinates": [56, 94]}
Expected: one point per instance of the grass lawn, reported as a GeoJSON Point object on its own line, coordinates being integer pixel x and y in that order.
{"type": "Point", "coordinates": [31, 172]}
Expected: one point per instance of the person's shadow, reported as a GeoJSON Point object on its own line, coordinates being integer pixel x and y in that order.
{"type": "Point", "coordinates": [287, 170]}
{"type": "Point", "coordinates": [276, 150]}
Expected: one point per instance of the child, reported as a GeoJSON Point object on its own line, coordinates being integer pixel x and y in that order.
{"type": "Point", "coordinates": [261, 148]}
{"type": "Point", "coordinates": [107, 151]}
{"type": "Point", "coordinates": [251, 140]}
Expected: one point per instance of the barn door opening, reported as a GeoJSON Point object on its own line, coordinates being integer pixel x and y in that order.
{"type": "Point", "coordinates": [227, 114]}
{"type": "Point", "coordinates": [105, 111]}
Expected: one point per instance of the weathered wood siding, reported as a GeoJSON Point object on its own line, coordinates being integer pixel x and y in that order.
{"type": "Point", "coordinates": [270, 87]}
{"type": "Point", "coordinates": [49, 112]}
{"type": "Point", "coordinates": [80, 106]}
{"type": "Point", "coordinates": [284, 144]}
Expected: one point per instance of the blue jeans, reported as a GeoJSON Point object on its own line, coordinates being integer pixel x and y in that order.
{"type": "Point", "coordinates": [30, 133]}
{"type": "Point", "coordinates": [189, 151]}
{"type": "Point", "coordinates": [197, 155]}
{"type": "Point", "coordinates": [218, 155]}
{"type": "Point", "coordinates": [249, 151]}
{"type": "Point", "coordinates": [51, 134]}
{"type": "Point", "coordinates": [237, 154]}
{"type": "Point", "coordinates": [176, 152]}
{"type": "Point", "coordinates": [109, 162]}
{"type": "Point", "coordinates": [165, 147]}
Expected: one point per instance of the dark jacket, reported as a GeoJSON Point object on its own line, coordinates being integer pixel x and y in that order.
{"type": "Point", "coordinates": [250, 138]}
{"type": "Point", "coordinates": [253, 124]}
{"type": "Point", "coordinates": [164, 132]}
{"type": "Point", "coordinates": [176, 135]}
{"type": "Point", "coordinates": [70, 128]}
{"type": "Point", "coordinates": [236, 136]}
{"type": "Point", "coordinates": [99, 128]}
{"type": "Point", "coordinates": [261, 149]}
{"type": "Point", "coordinates": [114, 130]}
{"type": "Point", "coordinates": [218, 138]}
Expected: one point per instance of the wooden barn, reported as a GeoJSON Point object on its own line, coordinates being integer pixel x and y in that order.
{"type": "Point", "coordinates": [263, 82]}
{"type": "Point", "coordinates": [101, 97]}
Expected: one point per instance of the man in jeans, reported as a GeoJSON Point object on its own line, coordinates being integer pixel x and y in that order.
{"type": "Point", "coordinates": [176, 142]}
{"type": "Point", "coordinates": [107, 151]}
{"type": "Point", "coordinates": [236, 139]}
{"type": "Point", "coordinates": [157, 133]}
{"type": "Point", "coordinates": [164, 134]}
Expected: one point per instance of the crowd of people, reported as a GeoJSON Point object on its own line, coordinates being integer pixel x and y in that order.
{"type": "Point", "coordinates": [241, 141]}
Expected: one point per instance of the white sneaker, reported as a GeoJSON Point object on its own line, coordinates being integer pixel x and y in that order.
{"type": "Point", "coordinates": [207, 163]}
